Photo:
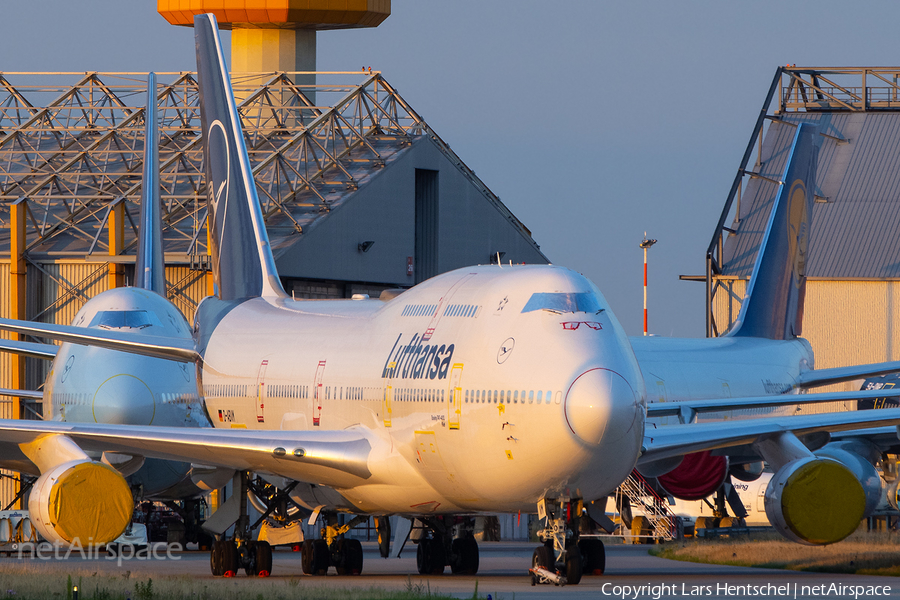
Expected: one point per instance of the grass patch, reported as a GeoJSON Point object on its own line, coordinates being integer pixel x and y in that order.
{"type": "Point", "coordinates": [27, 582]}
{"type": "Point", "coordinates": [862, 553]}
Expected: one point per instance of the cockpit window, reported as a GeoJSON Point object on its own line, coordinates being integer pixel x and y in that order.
{"type": "Point", "coordinates": [123, 319]}
{"type": "Point", "coordinates": [560, 302]}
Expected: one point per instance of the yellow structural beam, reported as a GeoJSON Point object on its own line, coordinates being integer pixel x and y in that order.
{"type": "Point", "coordinates": [17, 286]}
{"type": "Point", "coordinates": [210, 278]}
{"type": "Point", "coordinates": [116, 228]}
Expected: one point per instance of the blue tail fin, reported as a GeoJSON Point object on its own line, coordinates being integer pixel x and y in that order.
{"type": "Point", "coordinates": [773, 305]}
{"type": "Point", "coordinates": [243, 266]}
{"type": "Point", "coordinates": [150, 270]}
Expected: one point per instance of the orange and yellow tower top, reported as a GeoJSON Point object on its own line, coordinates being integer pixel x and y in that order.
{"type": "Point", "coordinates": [279, 14]}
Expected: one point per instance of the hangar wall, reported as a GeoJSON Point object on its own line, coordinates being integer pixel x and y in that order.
{"type": "Point", "coordinates": [853, 261]}
{"type": "Point", "coordinates": [470, 228]}
{"type": "Point", "coordinates": [847, 322]}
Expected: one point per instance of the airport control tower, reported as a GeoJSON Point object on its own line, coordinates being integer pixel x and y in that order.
{"type": "Point", "coordinates": [277, 35]}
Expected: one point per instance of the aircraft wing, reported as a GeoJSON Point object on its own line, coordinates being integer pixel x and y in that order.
{"type": "Point", "coordinates": [35, 350]}
{"type": "Point", "coordinates": [676, 440]}
{"type": "Point", "coordinates": [687, 410]}
{"type": "Point", "coordinates": [840, 374]}
{"type": "Point", "coordinates": [334, 458]}
{"type": "Point", "coordinates": [886, 438]}
{"type": "Point", "coordinates": [171, 348]}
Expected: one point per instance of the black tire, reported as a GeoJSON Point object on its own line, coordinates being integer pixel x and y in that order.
{"type": "Point", "coordinates": [349, 557]}
{"type": "Point", "coordinates": [574, 565]}
{"type": "Point", "coordinates": [465, 553]}
{"type": "Point", "coordinates": [260, 561]}
{"type": "Point", "coordinates": [430, 557]}
{"type": "Point", "coordinates": [215, 559]}
{"type": "Point", "coordinates": [543, 557]}
{"type": "Point", "coordinates": [314, 557]}
{"type": "Point", "coordinates": [593, 555]}
{"type": "Point", "coordinates": [229, 557]}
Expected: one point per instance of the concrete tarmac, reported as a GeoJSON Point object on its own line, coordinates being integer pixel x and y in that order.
{"type": "Point", "coordinates": [503, 573]}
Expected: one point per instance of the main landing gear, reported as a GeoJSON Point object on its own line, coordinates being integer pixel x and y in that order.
{"type": "Point", "coordinates": [228, 555]}
{"type": "Point", "coordinates": [344, 554]}
{"type": "Point", "coordinates": [564, 558]}
{"type": "Point", "coordinates": [447, 541]}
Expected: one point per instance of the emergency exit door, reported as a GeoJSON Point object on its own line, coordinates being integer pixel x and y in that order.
{"type": "Point", "coordinates": [454, 399]}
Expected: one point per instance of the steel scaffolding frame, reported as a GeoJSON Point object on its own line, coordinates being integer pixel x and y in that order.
{"type": "Point", "coordinates": [71, 151]}
{"type": "Point", "coordinates": [794, 90]}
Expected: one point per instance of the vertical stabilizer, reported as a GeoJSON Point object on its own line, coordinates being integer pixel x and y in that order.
{"type": "Point", "coordinates": [150, 270]}
{"type": "Point", "coordinates": [773, 305]}
{"type": "Point", "coordinates": [243, 266]}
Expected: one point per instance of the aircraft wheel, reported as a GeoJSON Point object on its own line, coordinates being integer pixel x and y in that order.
{"type": "Point", "coordinates": [465, 551]}
{"type": "Point", "coordinates": [215, 559]}
{"type": "Point", "coordinates": [261, 560]}
{"type": "Point", "coordinates": [594, 554]}
{"type": "Point", "coordinates": [574, 565]}
{"type": "Point", "coordinates": [430, 558]}
{"type": "Point", "coordinates": [543, 557]}
{"type": "Point", "coordinates": [350, 557]}
{"type": "Point", "coordinates": [314, 557]}
{"type": "Point", "coordinates": [229, 557]}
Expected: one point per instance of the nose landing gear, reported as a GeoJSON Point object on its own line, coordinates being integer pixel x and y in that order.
{"type": "Point", "coordinates": [564, 557]}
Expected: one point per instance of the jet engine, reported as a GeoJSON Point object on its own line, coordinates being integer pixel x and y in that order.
{"type": "Point", "coordinates": [80, 502]}
{"type": "Point", "coordinates": [815, 500]}
{"type": "Point", "coordinates": [820, 497]}
{"type": "Point", "coordinates": [699, 475]}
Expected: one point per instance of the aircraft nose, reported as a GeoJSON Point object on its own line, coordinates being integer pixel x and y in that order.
{"type": "Point", "coordinates": [600, 403]}
{"type": "Point", "coordinates": [124, 400]}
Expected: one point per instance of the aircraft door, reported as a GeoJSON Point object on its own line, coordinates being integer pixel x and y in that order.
{"type": "Point", "coordinates": [388, 396]}
{"type": "Point", "coordinates": [261, 392]}
{"type": "Point", "coordinates": [454, 399]}
{"type": "Point", "coordinates": [318, 393]}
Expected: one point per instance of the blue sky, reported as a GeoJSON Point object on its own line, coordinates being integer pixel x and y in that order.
{"type": "Point", "coordinates": [593, 121]}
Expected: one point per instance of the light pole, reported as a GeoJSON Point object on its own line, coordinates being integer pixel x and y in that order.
{"type": "Point", "coordinates": [645, 244]}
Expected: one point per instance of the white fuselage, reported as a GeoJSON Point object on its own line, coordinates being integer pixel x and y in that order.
{"type": "Point", "coordinates": [469, 403]}
{"type": "Point", "coordinates": [93, 385]}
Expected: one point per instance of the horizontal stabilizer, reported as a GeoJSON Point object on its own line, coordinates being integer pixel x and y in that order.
{"type": "Point", "coordinates": [688, 409]}
{"type": "Point", "coordinates": [333, 458]}
{"type": "Point", "coordinates": [841, 374]}
{"type": "Point", "coordinates": [32, 349]}
{"type": "Point", "coordinates": [29, 394]}
{"type": "Point", "coordinates": [677, 440]}
{"type": "Point", "coordinates": [177, 349]}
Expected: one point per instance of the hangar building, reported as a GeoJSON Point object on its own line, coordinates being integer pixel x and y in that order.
{"type": "Point", "coordinates": [852, 311]}
{"type": "Point", "coordinates": [359, 193]}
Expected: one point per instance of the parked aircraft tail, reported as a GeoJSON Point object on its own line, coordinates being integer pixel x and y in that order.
{"type": "Point", "coordinates": [243, 266]}
{"type": "Point", "coordinates": [150, 269]}
{"type": "Point", "coordinates": [773, 304]}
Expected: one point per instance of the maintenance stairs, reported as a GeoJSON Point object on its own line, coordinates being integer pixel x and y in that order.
{"type": "Point", "coordinates": [653, 519]}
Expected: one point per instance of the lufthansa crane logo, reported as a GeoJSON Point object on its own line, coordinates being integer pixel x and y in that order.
{"type": "Point", "coordinates": [798, 229]}
{"type": "Point", "coordinates": [219, 157]}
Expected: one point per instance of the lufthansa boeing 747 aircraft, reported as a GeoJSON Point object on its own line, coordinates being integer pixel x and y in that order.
{"type": "Point", "coordinates": [485, 389]}
{"type": "Point", "coordinates": [95, 385]}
